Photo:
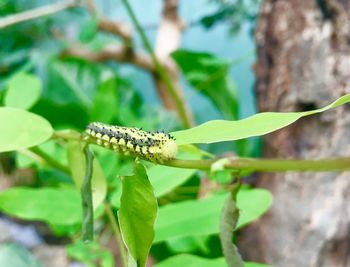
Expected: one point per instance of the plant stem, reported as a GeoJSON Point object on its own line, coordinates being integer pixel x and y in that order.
{"type": "Point", "coordinates": [86, 195]}
{"type": "Point", "coordinates": [49, 160]}
{"type": "Point", "coordinates": [159, 68]}
{"type": "Point", "coordinates": [267, 165]}
{"type": "Point", "coordinates": [117, 233]}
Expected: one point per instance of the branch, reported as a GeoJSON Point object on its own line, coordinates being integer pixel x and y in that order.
{"type": "Point", "coordinates": [112, 52]}
{"type": "Point", "coordinates": [250, 164]}
{"type": "Point", "coordinates": [267, 165]}
{"type": "Point", "coordinates": [36, 13]}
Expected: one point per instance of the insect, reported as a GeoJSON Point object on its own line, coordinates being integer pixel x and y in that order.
{"type": "Point", "coordinates": [154, 146]}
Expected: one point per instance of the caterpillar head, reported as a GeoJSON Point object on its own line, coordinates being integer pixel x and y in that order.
{"type": "Point", "coordinates": [169, 150]}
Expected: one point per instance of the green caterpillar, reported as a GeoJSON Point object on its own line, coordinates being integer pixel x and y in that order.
{"type": "Point", "coordinates": [154, 146]}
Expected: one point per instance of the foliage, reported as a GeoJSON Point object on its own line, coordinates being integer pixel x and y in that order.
{"type": "Point", "coordinates": [46, 102]}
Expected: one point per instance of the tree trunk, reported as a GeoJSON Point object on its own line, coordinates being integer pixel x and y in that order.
{"type": "Point", "coordinates": [304, 63]}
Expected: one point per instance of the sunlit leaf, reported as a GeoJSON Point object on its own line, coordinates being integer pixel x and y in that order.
{"type": "Point", "coordinates": [52, 205]}
{"type": "Point", "coordinates": [179, 219]}
{"type": "Point", "coordinates": [259, 124]}
{"type": "Point", "coordinates": [137, 213]}
{"type": "Point", "coordinates": [21, 129]}
{"type": "Point", "coordinates": [23, 91]}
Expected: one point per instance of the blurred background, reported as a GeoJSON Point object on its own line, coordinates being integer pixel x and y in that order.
{"type": "Point", "coordinates": [226, 59]}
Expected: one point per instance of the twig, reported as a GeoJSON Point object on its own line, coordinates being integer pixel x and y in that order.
{"type": "Point", "coordinates": [112, 52]}
{"type": "Point", "coordinates": [36, 13]}
{"type": "Point", "coordinates": [86, 195]}
{"type": "Point", "coordinates": [117, 234]}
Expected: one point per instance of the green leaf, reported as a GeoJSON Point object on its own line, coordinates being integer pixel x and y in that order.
{"type": "Point", "coordinates": [228, 222]}
{"type": "Point", "coordinates": [255, 264]}
{"type": "Point", "coordinates": [206, 220]}
{"type": "Point", "coordinates": [92, 254]}
{"type": "Point", "coordinates": [88, 30]}
{"type": "Point", "coordinates": [189, 218]}
{"type": "Point", "coordinates": [210, 76]}
{"type": "Point", "coordinates": [137, 213]}
{"type": "Point", "coordinates": [259, 124]}
{"type": "Point", "coordinates": [52, 205]}
{"type": "Point", "coordinates": [16, 256]}
{"type": "Point", "coordinates": [105, 103]}
{"type": "Point", "coordinates": [191, 261]}
{"type": "Point", "coordinates": [23, 91]}
{"type": "Point", "coordinates": [21, 129]}
{"type": "Point", "coordinates": [76, 160]}
{"type": "Point", "coordinates": [252, 204]}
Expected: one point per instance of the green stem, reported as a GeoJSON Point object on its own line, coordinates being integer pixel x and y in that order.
{"type": "Point", "coordinates": [261, 165]}
{"type": "Point", "coordinates": [49, 160]}
{"type": "Point", "coordinates": [117, 234]}
{"type": "Point", "coordinates": [86, 194]}
{"type": "Point", "coordinates": [159, 68]}
{"type": "Point", "coordinates": [268, 165]}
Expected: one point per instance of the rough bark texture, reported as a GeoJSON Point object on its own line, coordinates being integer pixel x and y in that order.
{"type": "Point", "coordinates": [304, 63]}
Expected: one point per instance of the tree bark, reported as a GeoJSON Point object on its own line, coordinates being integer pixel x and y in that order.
{"type": "Point", "coordinates": [304, 63]}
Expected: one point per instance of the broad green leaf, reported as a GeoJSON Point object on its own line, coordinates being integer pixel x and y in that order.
{"type": "Point", "coordinates": [92, 254]}
{"type": "Point", "coordinates": [105, 103]}
{"type": "Point", "coordinates": [259, 124]}
{"type": "Point", "coordinates": [252, 204]}
{"type": "Point", "coordinates": [88, 30]}
{"type": "Point", "coordinates": [137, 213]}
{"type": "Point", "coordinates": [210, 76]}
{"type": "Point", "coordinates": [13, 255]}
{"type": "Point", "coordinates": [228, 222]}
{"type": "Point", "coordinates": [23, 91]}
{"type": "Point", "coordinates": [52, 205]}
{"type": "Point", "coordinates": [21, 129]}
{"type": "Point", "coordinates": [189, 260]}
{"type": "Point", "coordinates": [206, 218]}
{"type": "Point", "coordinates": [194, 217]}
{"type": "Point", "coordinates": [188, 244]}
{"type": "Point", "coordinates": [76, 159]}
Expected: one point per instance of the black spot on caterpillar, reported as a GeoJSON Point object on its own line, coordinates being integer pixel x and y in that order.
{"type": "Point", "coordinates": [154, 146]}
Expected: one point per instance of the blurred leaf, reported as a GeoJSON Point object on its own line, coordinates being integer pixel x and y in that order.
{"type": "Point", "coordinates": [259, 124]}
{"type": "Point", "coordinates": [23, 91]}
{"type": "Point", "coordinates": [92, 254]}
{"type": "Point", "coordinates": [210, 76]}
{"type": "Point", "coordinates": [252, 203]}
{"type": "Point", "coordinates": [13, 255]}
{"type": "Point", "coordinates": [189, 244]}
{"type": "Point", "coordinates": [137, 213]}
{"type": "Point", "coordinates": [191, 261]}
{"type": "Point", "coordinates": [62, 115]}
{"type": "Point", "coordinates": [52, 205]}
{"type": "Point", "coordinates": [72, 81]}
{"type": "Point", "coordinates": [178, 219]}
{"type": "Point", "coordinates": [189, 218]}
{"type": "Point", "coordinates": [77, 165]}
{"type": "Point", "coordinates": [105, 103]}
{"type": "Point", "coordinates": [228, 222]}
{"type": "Point", "coordinates": [196, 261]}
{"type": "Point", "coordinates": [88, 30]}
{"type": "Point", "coordinates": [21, 129]}
{"type": "Point", "coordinates": [165, 179]}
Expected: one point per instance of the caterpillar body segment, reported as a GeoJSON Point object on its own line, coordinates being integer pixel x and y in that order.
{"type": "Point", "coordinates": [154, 146]}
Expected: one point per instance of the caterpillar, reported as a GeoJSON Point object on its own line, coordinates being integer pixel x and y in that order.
{"type": "Point", "coordinates": [153, 146]}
